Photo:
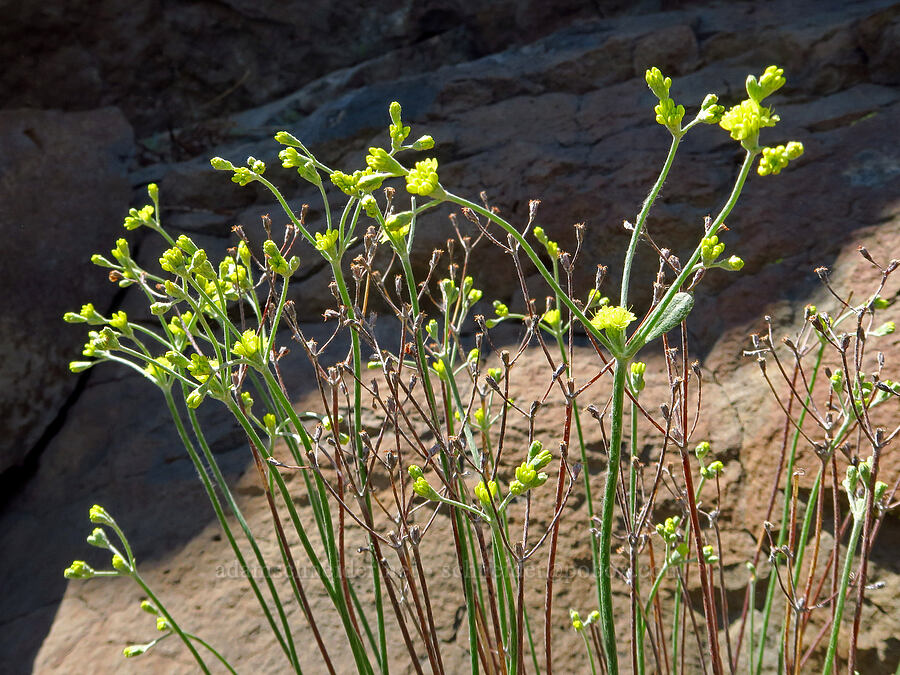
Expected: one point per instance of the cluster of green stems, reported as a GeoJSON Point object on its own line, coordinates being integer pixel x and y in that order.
{"type": "Point", "coordinates": [243, 363]}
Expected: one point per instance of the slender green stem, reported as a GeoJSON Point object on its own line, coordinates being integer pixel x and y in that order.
{"type": "Point", "coordinates": [290, 213]}
{"type": "Point", "coordinates": [858, 520]}
{"type": "Point", "coordinates": [606, 518]}
{"type": "Point", "coordinates": [782, 533]}
{"type": "Point", "coordinates": [538, 263]}
{"type": "Point", "coordinates": [642, 218]}
{"type": "Point", "coordinates": [639, 337]}
{"type": "Point", "coordinates": [582, 446]}
{"type": "Point", "coordinates": [676, 628]}
{"type": "Point", "coordinates": [638, 636]}
{"type": "Point", "coordinates": [465, 545]}
{"type": "Point", "coordinates": [214, 652]}
{"type": "Point", "coordinates": [648, 606]}
{"type": "Point", "coordinates": [752, 617]}
{"type": "Point", "coordinates": [590, 653]}
{"type": "Point", "coordinates": [334, 590]}
{"type": "Point", "coordinates": [169, 619]}
{"type": "Point", "coordinates": [286, 641]}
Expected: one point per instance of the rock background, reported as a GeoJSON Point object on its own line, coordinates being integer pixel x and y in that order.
{"type": "Point", "coordinates": [526, 100]}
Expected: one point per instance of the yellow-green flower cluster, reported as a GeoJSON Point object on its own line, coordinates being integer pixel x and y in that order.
{"type": "Point", "coordinates": [234, 277]}
{"type": "Point", "coordinates": [306, 168]}
{"type": "Point", "coordinates": [79, 570]}
{"type": "Point", "coordinates": [714, 469]}
{"type": "Point", "coordinates": [551, 318]}
{"type": "Point", "coordinates": [87, 315]}
{"type": "Point", "coordinates": [421, 486]}
{"type": "Point", "coordinates": [769, 82]}
{"type": "Point", "coordinates": [711, 248]}
{"type": "Point", "coordinates": [381, 161]}
{"type": "Point", "coordinates": [358, 183]}
{"type": "Point", "coordinates": [595, 297]}
{"type": "Point", "coordinates": [138, 217]}
{"type": "Point", "coordinates": [242, 174]}
{"type": "Point", "coordinates": [612, 318]}
{"type": "Point", "coordinates": [667, 113]}
{"type": "Point", "coordinates": [202, 367]}
{"type": "Point", "coordinates": [156, 369]}
{"type": "Point", "coordinates": [423, 143]}
{"type": "Point", "coordinates": [277, 261]}
{"type": "Point", "coordinates": [370, 206]}
{"type": "Point", "coordinates": [398, 132]}
{"type": "Point", "coordinates": [472, 294]}
{"type": "Point", "coordinates": [668, 530]}
{"type": "Point", "coordinates": [577, 623]}
{"type": "Point", "coordinates": [638, 368]}
{"type": "Point", "coordinates": [485, 497]}
{"type": "Point", "coordinates": [103, 341]}
{"type": "Point", "coordinates": [710, 111]}
{"type": "Point", "coordinates": [423, 179]}
{"type": "Point", "coordinates": [397, 225]}
{"type": "Point", "coordinates": [248, 346]}
{"type": "Point", "coordinates": [528, 473]}
{"type": "Point", "coordinates": [744, 120]}
{"type": "Point", "coordinates": [773, 160]}
{"type": "Point", "coordinates": [551, 246]}
{"type": "Point", "coordinates": [327, 243]}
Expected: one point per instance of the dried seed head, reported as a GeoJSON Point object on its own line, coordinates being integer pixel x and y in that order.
{"type": "Point", "coordinates": [415, 535]}
{"type": "Point", "coordinates": [864, 252]}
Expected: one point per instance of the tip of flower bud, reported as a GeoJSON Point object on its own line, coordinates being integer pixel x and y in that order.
{"type": "Point", "coordinates": [220, 164]}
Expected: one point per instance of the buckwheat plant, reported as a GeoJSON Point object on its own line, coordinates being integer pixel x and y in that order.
{"type": "Point", "coordinates": [444, 407]}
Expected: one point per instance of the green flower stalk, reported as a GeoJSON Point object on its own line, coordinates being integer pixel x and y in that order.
{"type": "Point", "coordinates": [124, 564]}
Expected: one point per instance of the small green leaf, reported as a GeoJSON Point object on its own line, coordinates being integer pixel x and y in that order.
{"type": "Point", "coordinates": [675, 313]}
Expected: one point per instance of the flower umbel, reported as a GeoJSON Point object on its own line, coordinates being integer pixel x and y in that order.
{"type": "Point", "coordinates": [423, 179]}
{"type": "Point", "coordinates": [612, 318]}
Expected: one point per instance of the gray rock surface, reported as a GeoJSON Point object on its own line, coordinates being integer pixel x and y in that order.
{"type": "Point", "coordinates": [63, 189]}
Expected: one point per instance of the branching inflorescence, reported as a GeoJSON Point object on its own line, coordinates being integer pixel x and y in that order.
{"type": "Point", "coordinates": [443, 439]}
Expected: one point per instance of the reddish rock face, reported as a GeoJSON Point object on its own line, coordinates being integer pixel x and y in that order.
{"type": "Point", "coordinates": [523, 101]}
